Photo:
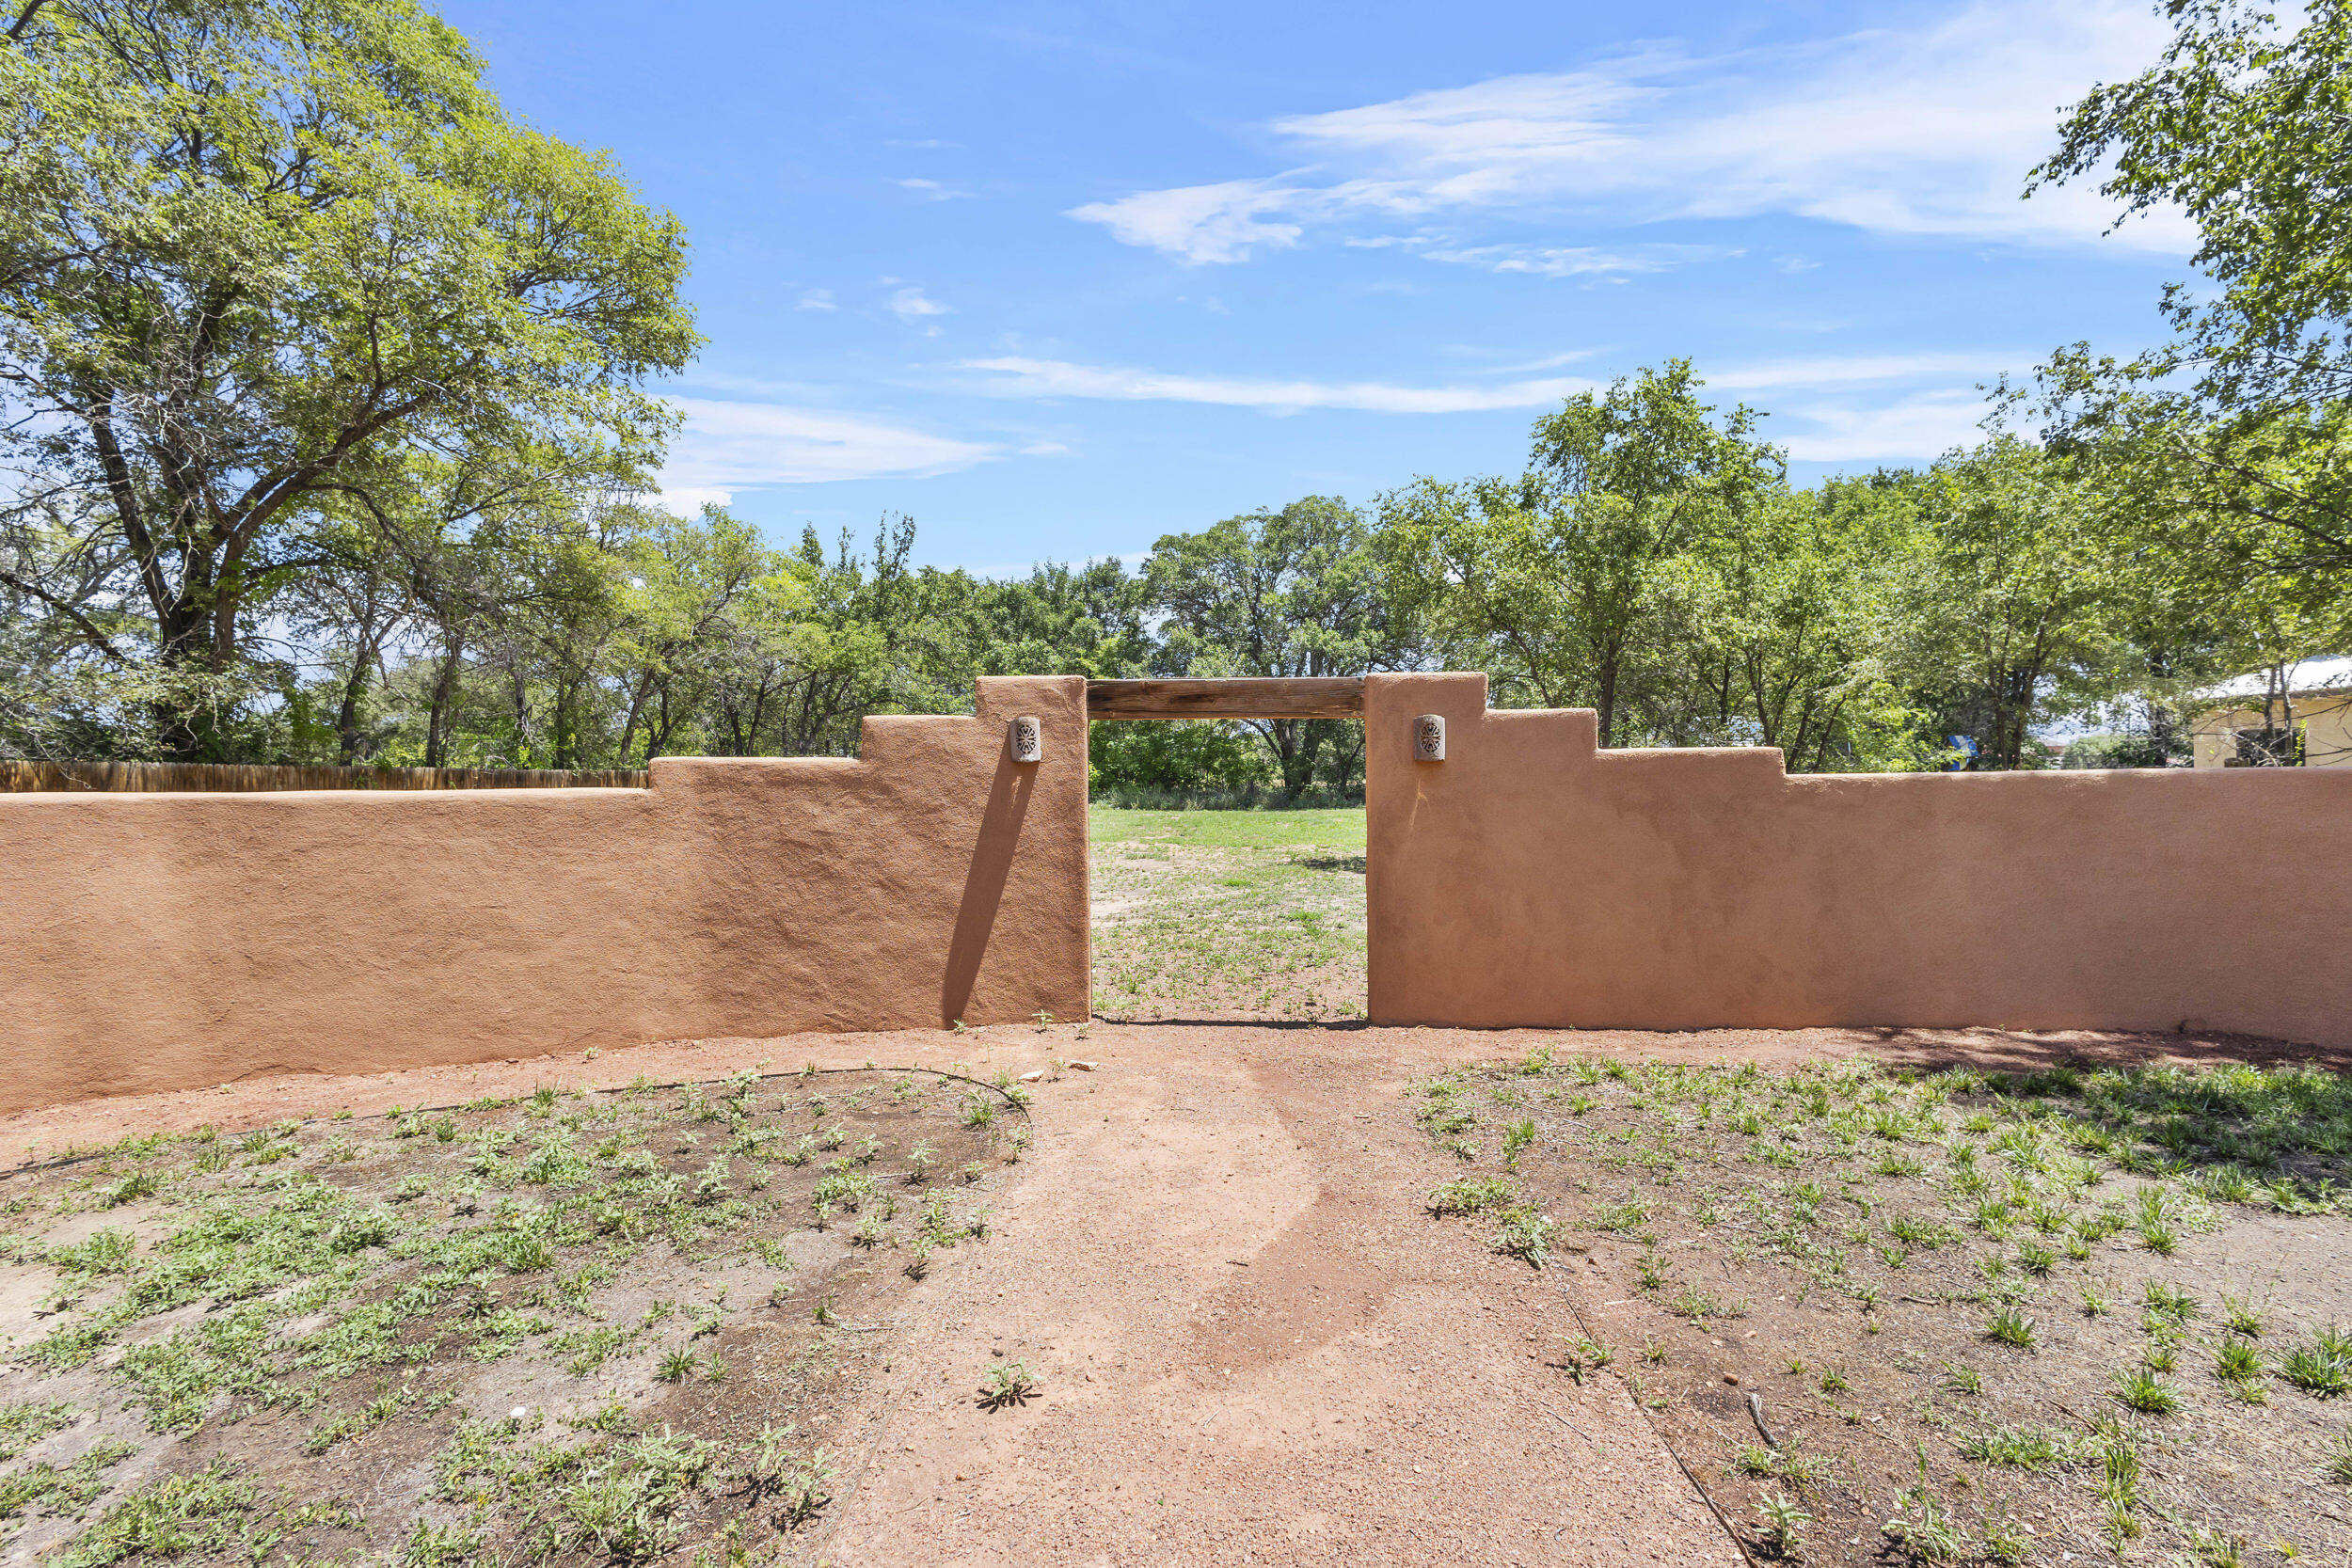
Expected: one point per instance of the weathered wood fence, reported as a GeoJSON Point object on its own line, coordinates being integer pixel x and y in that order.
{"type": "Point", "coordinates": [173, 778]}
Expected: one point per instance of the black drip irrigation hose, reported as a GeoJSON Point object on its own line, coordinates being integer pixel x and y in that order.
{"type": "Point", "coordinates": [1568, 1300]}
{"type": "Point", "coordinates": [85, 1156]}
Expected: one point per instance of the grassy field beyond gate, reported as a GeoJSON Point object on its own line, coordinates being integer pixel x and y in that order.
{"type": "Point", "coordinates": [1221, 915]}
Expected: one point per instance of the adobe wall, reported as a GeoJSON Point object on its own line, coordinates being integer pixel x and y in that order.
{"type": "Point", "coordinates": [1531, 879]}
{"type": "Point", "coordinates": [154, 941]}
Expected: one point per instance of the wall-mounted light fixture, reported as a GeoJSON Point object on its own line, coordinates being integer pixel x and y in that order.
{"type": "Point", "coordinates": [1429, 737]}
{"type": "Point", "coordinates": [1027, 740]}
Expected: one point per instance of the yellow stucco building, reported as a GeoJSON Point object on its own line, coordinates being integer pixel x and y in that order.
{"type": "Point", "coordinates": [2319, 705]}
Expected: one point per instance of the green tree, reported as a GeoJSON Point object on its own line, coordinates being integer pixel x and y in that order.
{"type": "Point", "coordinates": [2245, 127]}
{"type": "Point", "coordinates": [249, 250]}
{"type": "Point", "coordinates": [1560, 581]}
{"type": "Point", "coordinates": [1294, 591]}
{"type": "Point", "coordinates": [690, 583]}
{"type": "Point", "coordinates": [1795, 615]}
{"type": "Point", "coordinates": [2013, 612]}
{"type": "Point", "coordinates": [2242, 423]}
{"type": "Point", "coordinates": [1061, 620]}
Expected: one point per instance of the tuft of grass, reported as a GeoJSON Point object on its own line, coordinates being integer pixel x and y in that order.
{"type": "Point", "coordinates": [2214, 1549]}
{"type": "Point", "coordinates": [210, 1511]}
{"type": "Point", "coordinates": [1473, 1194]}
{"type": "Point", "coordinates": [2322, 1368]}
{"type": "Point", "coordinates": [1583, 1353]}
{"type": "Point", "coordinates": [1523, 1234]}
{"type": "Point", "coordinates": [2337, 1467]}
{"type": "Point", "coordinates": [2024, 1448]}
{"type": "Point", "coordinates": [2238, 1360]}
{"type": "Point", "coordinates": [22, 1425]}
{"type": "Point", "coordinates": [2145, 1390]}
{"type": "Point", "coordinates": [1926, 1532]}
{"type": "Point", "coordinates": [800, 1483]}
{"type": "Point", "coordinates": [1698, 1306]}
{"type": "Point", "coordinates": [62, 1491]}
{"type": "Point", "coordinates": [1781, 1521]}
{"type": "Point", "coordinates": [2011, 1325]}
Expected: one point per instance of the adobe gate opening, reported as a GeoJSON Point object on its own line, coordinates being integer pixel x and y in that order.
{"type": "Point", "coordinates": [1227, 916]}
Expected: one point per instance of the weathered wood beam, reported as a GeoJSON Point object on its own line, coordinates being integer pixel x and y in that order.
{"type": "Point", "coordinates": [1302, 697]}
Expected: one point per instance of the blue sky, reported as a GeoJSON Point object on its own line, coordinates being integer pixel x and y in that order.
{"type": "Point", "coordinates": [1057, 280]}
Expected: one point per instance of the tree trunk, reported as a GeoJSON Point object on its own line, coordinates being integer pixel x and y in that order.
{"type": "Point", "coordinates": [567, 696]}
{"type": "Point", "coordinates": [444, 692]}
{"type": "Point", "coordinates": [347, 714]}
{"type": "Point", "coordinates": [636, 710]}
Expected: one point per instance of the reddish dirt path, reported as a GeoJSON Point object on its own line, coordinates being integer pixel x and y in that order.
{"type": "Point", "coordinates": [1254, 1347]}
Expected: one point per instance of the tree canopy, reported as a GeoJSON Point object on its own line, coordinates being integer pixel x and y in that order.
{"type": "Point", "coordinates": [260, 259]}
{"type": "Point", "coordinates": [328, 421]}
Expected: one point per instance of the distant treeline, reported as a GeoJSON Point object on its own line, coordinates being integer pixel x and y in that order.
{"type": "Point", "coordinates": [324, 440]}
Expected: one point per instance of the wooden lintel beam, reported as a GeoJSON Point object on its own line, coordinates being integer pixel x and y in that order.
{"type": "Point", "coordinates": [1302, 697]}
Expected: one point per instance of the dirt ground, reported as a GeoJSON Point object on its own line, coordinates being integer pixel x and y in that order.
{"type": "Point", "coordinates": [574, 1328]}
{"type": "Point", "coordinates": [1253, 1344]}
{"type": "Point", "coordinates": [1800, 1274]}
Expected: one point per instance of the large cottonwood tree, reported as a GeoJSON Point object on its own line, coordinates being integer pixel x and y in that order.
{"type": "Point", "coordinates": [253, 251]}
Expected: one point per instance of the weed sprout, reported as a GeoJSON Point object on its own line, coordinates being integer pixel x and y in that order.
{"type": "Point", "coordinates": [1007, 1382]}
{"type": "Point", "coordinates": [1585, 1353]}
{"type": "Point", "coordinates": [1781, 1521]}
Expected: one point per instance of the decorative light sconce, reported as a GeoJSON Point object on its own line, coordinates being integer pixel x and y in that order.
{"type": "Point", "coordinates": [1027, 738]}
{"type": "Point", "coordinates": [1429, 737]}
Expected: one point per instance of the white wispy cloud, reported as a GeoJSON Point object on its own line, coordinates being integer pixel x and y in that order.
{"type": "Point", "coordinates": [1580, 260]}
{"type": "Point", "coordinates": [1013, 376]}
{"type": "Point", "coordinates": [1201, 222]}
{"type": "Point", "coordinates": [1018, 376]}
{"type": "Point", "coordinates": [1923, 425]}
{"type": "Point", "coordinates": [1925, 130]}
{"type": "Point", "coordinates": [913, 306]}
{"type": "Point", "coordinates": [687, 500]}
{"type": "Point", "coordinates": [728, 447]}
{"type": "Point", "coordinates": [816, 299]}
{"type": "Point", "coordinates": [1847, 370]}
{"type": "Point", "coordinates": [929, 190]}
{"type": "Point", "coordinates": [1543, 362]}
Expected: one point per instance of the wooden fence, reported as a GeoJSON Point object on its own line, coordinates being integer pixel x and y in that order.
{"type": "Point", "coordinates": [160, 777]}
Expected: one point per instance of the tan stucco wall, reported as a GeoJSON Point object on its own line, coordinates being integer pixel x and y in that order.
{"type": "Point", "coordinates": [1530, 879]}
{"type": "Point", "coordinates": [151, 942]}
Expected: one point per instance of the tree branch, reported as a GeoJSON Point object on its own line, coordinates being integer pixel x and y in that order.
{"type": "Point", "coordinates": [91, 633]}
